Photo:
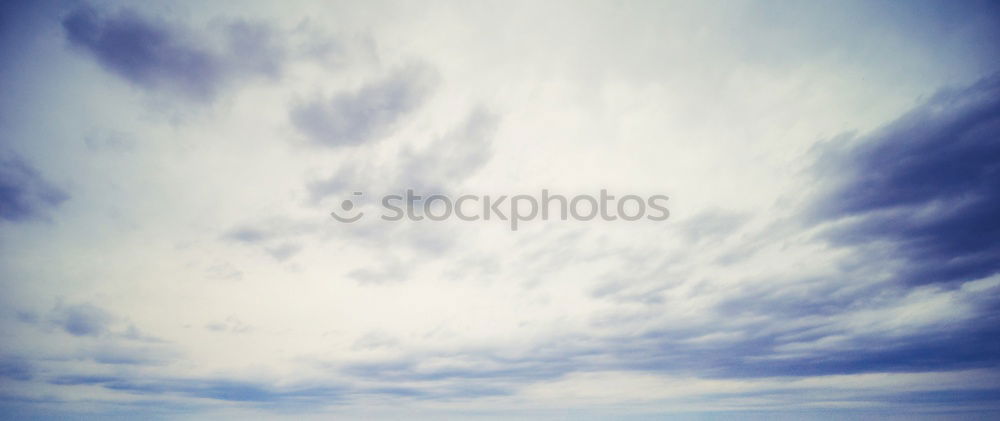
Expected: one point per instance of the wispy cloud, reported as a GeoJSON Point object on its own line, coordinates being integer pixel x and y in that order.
{"type": "Point", "coordinates": [24, 194]}
{"type": "Point", "coordinates": [367, 114]}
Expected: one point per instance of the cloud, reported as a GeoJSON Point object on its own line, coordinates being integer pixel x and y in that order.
{"type": "Point", "coordinates": [368, 114]}
{"type": "Point", "coordinates": [453, 157]}
{"type": "Point", "coordinates": [474, 368]}
{"type": "Point", "coordinates": [375, 340]}
{"type": "Point", "coordinates": [818, 328]}
{"type": "Point", "coordinates": [224, 271]}
{"type": "Point", "coordinates": [912, 200]}
{"type": "Point", "coordinates": [436, 168]}
{"type": "Point", "coordinates": [846, 319]}
{"type": "Point", "coordinates": [120, 354]}
{"type": "Point", "coordinates": [230, 325]}
{"type": "Point", "coordinates": [109, 141]}
{"type": "Point", "coordinates": [82, 319]}
{"type": "Point", "coordinates": [255, 48]}
{"type": "Point", "coordinates": [218, 389]}
{"type": "Point", "coordinates": [154, 55]}
{"type": "Point", "coordinates": [15, 369]}
{"type": "Point", "coordinates": [928, 184]}
{"type": "Point", "coordinates": [284, 251]}
{"type": "Point", "coordinates": [345, 177]}
{"type": "Point", "coordinates": [714, 224]}
{"type": "Point", "coordinates": [246, 235]}
{"type": "Point", "coordinates": [98, 337]}
{"type": "Point", "coordinates": [275, 237]}
{"type": "Point", "coordinates": [24, 194]}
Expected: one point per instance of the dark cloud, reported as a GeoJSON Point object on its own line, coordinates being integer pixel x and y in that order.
{"type": "Point", "coordinates": [263, 393]}
{"type": "Point", "coordinates": [783, 327]}
{"type": "Point", "coordinates": [446, 161]}
{"type": "Point", "coordinates": [133, 333]}
{"type": "Point", "coordinates": [837, 323]}
{"type": "Point", "coordinates": [24, 194]}
{"type": "Point", "coordinates": [928, 184]}
{"type": "Point", "coordinates": [755, 356]}
{"type": "Point", "coordinates": [15, 369]}
{"type": "Point", "coordinates": [247, 235]}
{"type": "Point", "coordinates": [817, 327]}
{"type": "Point", "coordinates": [154, 55]}
{"type": "Point", "coordinates": [453, 157]}
{"type": "Point", "coordinates": [219, 389]}
{"type": "Point", "coordinates": [130, 355]}
{"type": "Point", "coordinates": [274, 240]}
{"type": "Point", "coordinates": [90, 320]}
{"type": "Point", "coordinates": [345, 177]}
{"type": "Point", "coordinates": [367, 114]}
{"type": "Point", "coordinates": [944, 396]}
{"type": "Point", "coordinates": [794, 327]}
{"type": "Point", "coordinates": [82, 319]}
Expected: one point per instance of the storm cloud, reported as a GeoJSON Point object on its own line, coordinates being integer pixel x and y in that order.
{"type": "Point", "coordinates": [155, 55]}
{"type": "Point", "coordinates": [927, 184]}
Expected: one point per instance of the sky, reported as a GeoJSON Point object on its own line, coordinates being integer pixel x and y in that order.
{"type": "Point", "coordinates": [168, 172]}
